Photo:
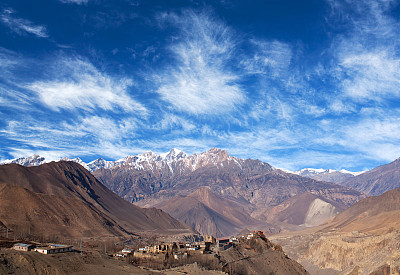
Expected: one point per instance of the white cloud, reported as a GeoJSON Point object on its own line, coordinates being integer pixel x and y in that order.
{"type": "Point", "coordinates": [201, 83]}
{"type": "Point", "coordinates": [92, 135]}
{"type": "Point", "coordinates": [171, 122]}
{"type": "Point", "coordinates": [372, 75]}
{"type": "Point", "coordinates": [78, 84]}
{"type": "Point", "coordinates": [374, 137]}
{"type": "Point", "coordinates": [338, 106]}
{"type": "Point", "coordinates": [104, 129]}
{"type": "Point", "coordinates": [22, 26]}
{"type": "Point", "coordinates": [367, 57]}
{"type": "Point", "coordinates": [272, 58]}
{"type": "Point", "coordinates": [79, 2]}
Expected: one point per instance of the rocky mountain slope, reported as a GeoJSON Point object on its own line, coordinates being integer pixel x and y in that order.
{"type": "Point", "coordinates": [328, 175]}
{"type": "Point", "coordinates": [64, 199]}
{"type": "Point", "coordinates": [362, 239]}
{"type": "Point", "coordinates": [149, 179]}
{"type": "Point", "coordinates": [305, 209]}
{"type": "Point", "coordinates": [258, 255]}
{"type": "Point", "coordinates": [209, 213]}
{"type": "Point", "coordinates": [378, 180]}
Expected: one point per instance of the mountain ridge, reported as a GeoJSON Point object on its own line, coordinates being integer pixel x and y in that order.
{"type": "Point", "coordinates": [45, 192]}
{"type": "Point", "coordinates": [329, 175]}
{"type": "Point", "coordinates": [378, 180]}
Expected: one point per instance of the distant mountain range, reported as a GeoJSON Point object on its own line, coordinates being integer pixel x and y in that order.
{"type": "Point", "coordinates": [328, 175]}
{"type": "Point", "coordinates": [63, 199]}
{"type": "Point", "coordinates": [217, 194]}
{"type": "Point", "coordinates": [378, 180]}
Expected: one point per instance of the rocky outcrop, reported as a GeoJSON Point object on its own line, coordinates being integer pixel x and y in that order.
{"type": "Point", "coordinates": [361, 239]}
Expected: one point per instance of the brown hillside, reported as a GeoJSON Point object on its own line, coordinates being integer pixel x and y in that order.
{"type": "Point", "coordinates": [295, 209]}
{"type": "Point", "coordinates": [58, 187]}
{"type": "Point", "coordinates": [209, 213]}
{"type": "Point", "coordinates": [364, 237]}
{"type": "Point", "coordinates": [374, 214]}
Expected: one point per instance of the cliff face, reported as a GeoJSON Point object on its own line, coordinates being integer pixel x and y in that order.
{"type": "Point", "coordinates": [362, 238]}
{"type": "Point", "coordinates": [346, 251]}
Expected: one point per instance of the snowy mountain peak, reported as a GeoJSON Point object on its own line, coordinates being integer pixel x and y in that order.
{"type": "Point", "coordinates": [174, 155]}
{"type": "Point", "coordinates": [99, 163]}
{"type": "Point", "coordinates": [329, 175]}
{"type": "Point", "coordinates": [34, 160]}
{"type": "Point", "coordinates": [77, 160]}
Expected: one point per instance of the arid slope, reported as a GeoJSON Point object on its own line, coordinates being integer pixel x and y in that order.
{"type": "Point", "coordinates": [362, 238]}
{"type": "Point", "coordinates": [64, 198]}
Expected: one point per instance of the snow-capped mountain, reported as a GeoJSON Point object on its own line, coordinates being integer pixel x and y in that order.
{"type": "Point", "coordinates": [100, 163]}
{"type": "Point", "coordinates": [330, 175]}
{"type": "Point", "coordinates": [77, 160]}
{"type": "Point", "coordinates": [34, 160]}
{"type": "Point", "coordinates": [175, 160]}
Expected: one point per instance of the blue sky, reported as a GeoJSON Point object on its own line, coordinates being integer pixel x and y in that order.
{"type": "Point", "coordinates": [293, 83]}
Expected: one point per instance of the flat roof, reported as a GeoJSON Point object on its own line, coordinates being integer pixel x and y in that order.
{"type": "Point", "coordinates": [23, 244]}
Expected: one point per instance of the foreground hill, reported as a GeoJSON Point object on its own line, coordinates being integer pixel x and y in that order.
{"type": "Point", "coordinates": [64, 199]}
{"type": "Point", "coordinates": [254, 187]}
{"type": "Point", "coordinates": [258, 255]}
{"type": "Point", "coordinates": [378, 180]}
{"type": "Point", "coordinates": [363, 238]}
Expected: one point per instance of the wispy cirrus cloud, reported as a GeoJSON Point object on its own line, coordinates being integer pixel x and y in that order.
{"type": "Point", "coordinates": [371, 75]}
{"type": "Point", "coordinates": [374, 136]}
{"type": "Point", "coordinates": [200, 82]}
{"type": "Point", "coordinates": [102, 128]}
{"type": "Point", "coordinates": [98, 135]}
{"type": "Point", "coordinates": [22, 26]}
{"type": "Point", "coordinates": [174, 122]}
{"type": "Point", "coordinates": [78, 84]}
{"type": "Point", "coordinates": [272, 58]}
{"type": "Point", "coordinates": [79, 2]}
{"type": "Point", "coordinates": [367, 59]}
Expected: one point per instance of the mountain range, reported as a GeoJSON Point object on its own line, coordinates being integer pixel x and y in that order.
{"type": "Point", "coordinates": [204, 190]}
{"type": "Point", "coordinates": [171, 182]}
{"type": "Point", "coordinates": [328, 227]}
{"type": "Point", "coordinates": [277, 199]}
{"type": "Point", "coordinates": [328, 175]}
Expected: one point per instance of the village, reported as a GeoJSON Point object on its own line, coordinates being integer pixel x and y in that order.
{"type": "Point", "coordinates": [159, 255]}
{"type": "Point", "coordinates": [180, 251]}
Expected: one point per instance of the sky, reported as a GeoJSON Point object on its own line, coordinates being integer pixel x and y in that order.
{"type": "Point", "coordinates": [313, 83]}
